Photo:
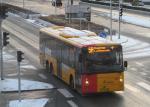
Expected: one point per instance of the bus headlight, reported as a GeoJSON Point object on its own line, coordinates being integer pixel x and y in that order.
{"type": "Point", "coordinates": [121, 80]}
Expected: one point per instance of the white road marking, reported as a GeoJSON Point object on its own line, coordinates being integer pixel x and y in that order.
{"type": "Point", "coordinates": [134, 48]}
{"type": "Point", "coordinates": [129, 66]}
{"type": "Point", "coordinates": [144, 85]}
{"type": "Point", "coordinates": [140, 64]}
{"type": "Point", "coordinates": [11, 60]}
{"type": "Point", "coordinates": [25, 62]}
{"type": "Point", "coordinates": [65, 93]}
{"type": "Point", "coordinates": [144, 70]}
{"type": "Point", "coordinates": [143, 73]}
{"type": "Point", "coordinates": [10, 51]}
{"type": "Point", "coordinates": [29, 67]}
{"type": "Point", "coordinates": [72, 104]}
{"type": "Point", "coordinates": [131, 88]}
{"type": "Point", "coordinates": [137, 55]}
{"type": "Point", "coordinates": [42, 76]}
{"type": "Point", "coordinates": [8, 56]}
{"type": "Point", "coordinates": [23, 70]}
{"type": "Point", "coordinates": [133, 69]}
{"type": "Point", "coordinates": [14, 74]}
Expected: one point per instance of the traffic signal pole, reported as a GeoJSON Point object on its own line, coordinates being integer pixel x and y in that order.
{"type": "Point", "coordinates": [1, 56]}
{"type": "Point", "coordinates": [19, 59]}
{"type": "Point", "coordinates": [19, 83]}
{"type": "Point", "coordinates": [3, 42]}
{"type": "Point", "coordinates": [119, 22]}
{"type": "Point", "coordinates": [110, 19]}
{"type": "Point", "coordinates": [120, 17]}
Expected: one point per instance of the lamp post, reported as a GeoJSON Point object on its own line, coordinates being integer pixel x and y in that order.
{"type": "Point", "coordinates": [110, 19]}
{"type": "Point", "coordinates": [23, 4]}
{"type": "Point", "coordinates": [1, 45]}
{"type": "Point", "coordinates": [1, 53]}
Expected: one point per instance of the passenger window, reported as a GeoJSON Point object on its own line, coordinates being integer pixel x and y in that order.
{"type": "Point", "coordinates": [65, 54]}
{"type": "Point", "coordinates": [72, 56]}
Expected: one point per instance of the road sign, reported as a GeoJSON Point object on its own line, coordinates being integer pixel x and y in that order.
{"type": "Point", "coordinates": [103, 34]}
{"type": "Point", "coordinates": [78, 12]}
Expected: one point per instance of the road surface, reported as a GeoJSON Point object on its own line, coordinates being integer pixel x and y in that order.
{"type": "Point", "coordinates": [137, 77]}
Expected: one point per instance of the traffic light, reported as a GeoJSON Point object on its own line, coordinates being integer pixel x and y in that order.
{"type": "Point", "coordinates": [19, 56]}
{"type": "Point", "coordinates": [5, 38]}
{"type": "Point", "coordinates": [58, 3]}
{"type": "Point", "coordinates": [71, 2]}
{"type": "Point", "coordinates": [121, 11]}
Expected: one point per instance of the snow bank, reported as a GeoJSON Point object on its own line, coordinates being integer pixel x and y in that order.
{"type": "Point", "coordinates": [130, 19]}
{"type": "Point", "coordinates": [9, 85]}
{"type": "Point", "coordinates": [133, 48]}
{"type": "Point", "coordinates": [29, 103]}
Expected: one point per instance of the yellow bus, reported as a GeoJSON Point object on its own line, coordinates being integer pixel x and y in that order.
{"type": "Point", "coordinates": [83, 60]}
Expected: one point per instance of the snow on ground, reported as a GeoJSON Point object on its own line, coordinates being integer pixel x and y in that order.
{"type": "Point", "coordinates": [9, 85]}
{"type": "Point", "coordinates": [144, 22]}
{"type": "Point", "coordinates": [7, 56]}
{"type": "Point", "coordinates": [136, 21]}
{"type": "Point", "coordinates": [29, 103]}
{"type": "Point", "coordinates": [133, 48]}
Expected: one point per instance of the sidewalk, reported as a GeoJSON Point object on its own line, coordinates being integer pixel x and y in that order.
{"type": "Point", "coordinates": [128, 18]}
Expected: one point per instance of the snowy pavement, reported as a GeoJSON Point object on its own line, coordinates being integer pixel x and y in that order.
{"type": "Point", "coordinates": [11, 85]}
{"type": "Point", "coordinates": [139, 21]}
{"type": "Point", "coordinates": [29, 103]}
{"type": "Point", "coordinates": [36, 90]}
{"type": "Point", "coordinates": [133, 48]}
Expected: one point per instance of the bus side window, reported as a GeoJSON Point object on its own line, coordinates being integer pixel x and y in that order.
{"type": "Point", "coordinates": [77, 63]}
{"type": "Point", "coordinates": [53, 47]}
{"type": "Point", "coordinates": [71, 56]}
{"type": "Point", "coordinates": [65, 54]}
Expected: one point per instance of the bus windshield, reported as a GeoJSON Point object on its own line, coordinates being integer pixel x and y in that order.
{"type": "Point", "coordinates": [104, 60]}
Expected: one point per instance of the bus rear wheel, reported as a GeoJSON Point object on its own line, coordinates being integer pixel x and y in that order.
{"type": "Point", "coordinates": [51, 68]}
{"type": "Point", "coordinates": [71, 82]}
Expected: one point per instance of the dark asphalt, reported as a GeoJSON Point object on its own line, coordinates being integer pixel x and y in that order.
{"type": "Point", "coordinates": [134, 95]}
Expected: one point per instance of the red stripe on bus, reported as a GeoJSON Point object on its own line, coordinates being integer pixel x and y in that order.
{"type": "Point", "coordinates": [89, 83]}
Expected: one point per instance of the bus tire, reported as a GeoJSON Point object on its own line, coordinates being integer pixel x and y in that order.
{"type": "Point", "coordinates": [47, 66]}
{"type": "Point", "coordinates": [51, 68]}
{"type": "Point", "coordinates": [71, 82]}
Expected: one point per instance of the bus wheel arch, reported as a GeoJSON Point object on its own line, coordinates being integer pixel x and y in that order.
{"type": "Point", "coordinates": [51, 68]}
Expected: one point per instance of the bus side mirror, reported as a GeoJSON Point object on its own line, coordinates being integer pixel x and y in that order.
{"type": "Point", "coordinates": [125, 65]}
{"type": "Point", "coordinates": [80, 58]}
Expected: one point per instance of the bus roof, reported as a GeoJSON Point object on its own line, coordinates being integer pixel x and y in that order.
{"type": "Point", "coordinates": [79, 38]}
